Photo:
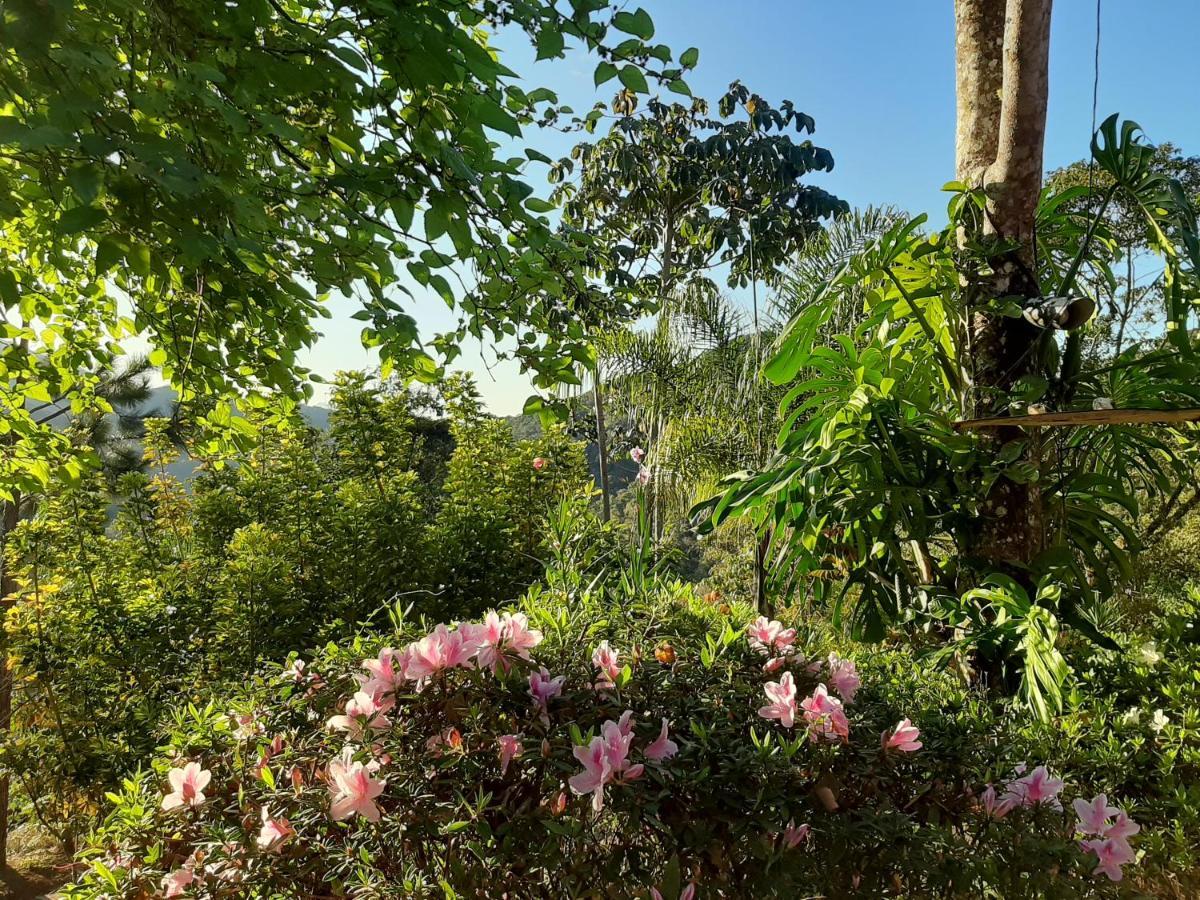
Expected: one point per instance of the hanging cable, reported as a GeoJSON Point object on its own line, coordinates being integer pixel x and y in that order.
{"type": "Point", "coordinates": [1095, 97]}
{"type": "Point", "coordinates": [1063, 442]}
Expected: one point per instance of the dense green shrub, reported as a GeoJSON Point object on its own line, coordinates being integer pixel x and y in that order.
{"type": "Point", "coordinates": [482, 791]}
{"type": "Point", "coordinates": [439, 810]}
{"type": "Point", "coordinates": [480, 549]}
{"type": "Point", "coordinates": [122, 610]}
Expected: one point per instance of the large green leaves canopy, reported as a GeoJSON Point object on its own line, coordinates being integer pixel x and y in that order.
{"type": "Point", "coordinates": [214, 171]}
{"type": "Point", "coordinates": [684, 191]}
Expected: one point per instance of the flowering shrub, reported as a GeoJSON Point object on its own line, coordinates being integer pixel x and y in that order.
{"type": "Point", "coordinates": [560, 751]}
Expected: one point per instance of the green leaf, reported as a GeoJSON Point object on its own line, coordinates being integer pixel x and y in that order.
{"type": "Point", "coordinates": [350, 57]}
{"type": "Point", "coordinates": [81, 217]}
{"type": "Point", "coordinates": [138, 258]}
{"type": "Point", "coordinates": [637, 23]}
{"type": "Point", "coordinates": [679, 86]}
{"type": "Point", "coordinates": [632, 78]}
{"type": "Point", "coordinates": [108, 254]}
{"type": "Point", "coordinates": [689, 58]}
{"type": "Point", "coordinates": [8, 287]}
{"type": "Point", "coordinates": [549, 43]}
{"type": "Point", "coordinates": [605, 71]}
{"type": "Point", "coordinates": [488, 112]}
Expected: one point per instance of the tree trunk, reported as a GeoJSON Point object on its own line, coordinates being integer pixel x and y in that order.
{"type": "Point", "coordinates": [8, 590]}
{"type": "Point", "coordinates": [760, 574]}
{"type": "Point", "coordinates": [1002, 81]}
{"type": "Point", "coordinates": [601, 440]}
{"type": "Point", "coordinates": [979, 76]}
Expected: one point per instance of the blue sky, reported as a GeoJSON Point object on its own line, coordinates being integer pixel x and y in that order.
{"type": "Point", "coordinates": [878, 77]}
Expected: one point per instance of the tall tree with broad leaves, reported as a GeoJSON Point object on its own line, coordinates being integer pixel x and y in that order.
{"type": "Point", "coordinates": [676, 193]}
{"type": "Point", "coordinates": [673, 193]}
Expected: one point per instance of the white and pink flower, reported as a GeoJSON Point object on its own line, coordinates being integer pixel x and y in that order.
{"type": "Point", "coordinates": [187, 786]}
{"type": "Point", "coordinates": [825, 716]}
{"type": "Point", "coordinates": [902, 738]}
{"type": "Point", "coordinates": [782, 695]}
{"type": "Point", "coordinates": [362, 714]}
{"type": "Point", "coordinates": [353, 789]}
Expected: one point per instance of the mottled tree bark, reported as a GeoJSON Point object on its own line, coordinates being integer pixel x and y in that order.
{"type": "Point", "coordinates": [1015, 178]}
{"type": "Point", "coordinates": [1002, 80]}
{"type": "Point", "coordinates": [979, 77]}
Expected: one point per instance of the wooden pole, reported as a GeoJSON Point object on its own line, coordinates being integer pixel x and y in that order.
{"type": "Point", "coordinates": [1085, 417]}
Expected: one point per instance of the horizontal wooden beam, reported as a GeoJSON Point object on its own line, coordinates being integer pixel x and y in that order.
{"type": "Point", "coordinates": [1085, 417]}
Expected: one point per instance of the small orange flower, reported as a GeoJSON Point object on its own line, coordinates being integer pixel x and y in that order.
{"type": "Point", "coordinates": [665, 654]}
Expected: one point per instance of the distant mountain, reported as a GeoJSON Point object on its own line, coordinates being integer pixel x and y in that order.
{"type": "Point", "coordinates": [162, 400]}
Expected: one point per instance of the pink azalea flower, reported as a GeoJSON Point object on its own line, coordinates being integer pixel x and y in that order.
{"type": "Point", "coordinates": [385, 674]}
{"type": "Point", "coordinates": [1122, 827]}
{"type": "Point", "coordinates": [540, 463]}
{"type": "Point", "coordinates": [442, 649]}
{"type": "Point", "coordinates": [825, 716]}
{"type": "Point", "coordinates": [543, 688]}
{"type": "Point", "coordinates": [782, 695]}
{"type": "Point", "coordinates": [688, 893]}
{"type": "Point", "coordinates": [794, 834]}
{"type": "Point", "coordinates": [1111, 853]}
{"type": "Point", "coordinates": [501, 639]}
{"type": "Point", "coordinates": [771, 666]}
{"type": "Point", "coordinates": [187, 785]}
{"type": "Point", "coordinates": [177, 882]}
{"type": "Point", "coordinates": [637, 454]}
{"type": "Point", "coordinates": [618, 738]}
{"type": "Point", "coordinates": [596, 772]}
{"type": "Point", "coordinates": [510, 749]}
{"type": "Point", "coordinates": [606, 759]}
{"type": "Point", "coordinates": [295, 671]}
{"type": "Point", "coordinates": [993, 806]}
{"type": "Point", "coordinates": [903, 737]}
{"type": "Point", "coordinates": [1038, 787]}
{"type": "Point", "coordinates": [624, 725]}
{"type": "Point", "coordinates": [521, 638]}
{"type": "Point", "coordinates": [843, 675]}
{"type": "Point", "coordinates": [274, 832]}
{"type": "Point", "coordinates": [353, 789]}
{"type": "Point", "coordinates": [362, 712]}
{"type": "Point", "coordinates": [762, 632]}
{"type": "Point", "coordinates": [1093, 814]}
{"type": "Point", "coordinates": [767, 635]}
{"type": "Point", "coordinates": [605, 659]}
{"type": "Point", "coordinates": [663, 747]}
